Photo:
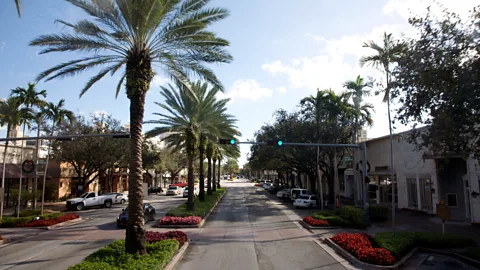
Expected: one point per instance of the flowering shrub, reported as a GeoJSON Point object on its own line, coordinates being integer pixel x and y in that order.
{"type": "Point", "coordinates": [360, 246]}
{"type": "Point", "coordinates": [49, 222]}
{"type": "Point", "coordinates": [315, 222]}
{"type": "Point", "coordinates": [190, 220]}
{"type": "Point", "coordinates": [180, 236]}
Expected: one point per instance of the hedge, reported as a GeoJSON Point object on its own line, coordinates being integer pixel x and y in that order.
{"type": "Point", "coordinates": [201, 208]}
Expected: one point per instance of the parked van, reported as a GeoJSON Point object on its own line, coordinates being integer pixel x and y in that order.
{"type": "Point", "coordinates": [295, 193]}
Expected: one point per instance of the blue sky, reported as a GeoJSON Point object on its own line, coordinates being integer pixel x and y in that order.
{"type": "Point", "coordinates": [283, 51]}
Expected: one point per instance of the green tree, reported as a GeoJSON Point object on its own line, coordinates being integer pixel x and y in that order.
{"type": "Point", "coordinates": [386, 55]}
{"type": "Point", "coordinates": [138, 34]}
{"type": "Point", "coordinates": [437, 84]}
{"type": "Point", "coordinates": [11, 116]}
{"type": "Point", "coordinates": [19, 7]}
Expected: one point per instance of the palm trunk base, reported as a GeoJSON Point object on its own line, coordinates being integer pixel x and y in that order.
{"type": "Point", "coordinates": [135, 240]}
{"type": "Point", "coordinates": [190, 206]}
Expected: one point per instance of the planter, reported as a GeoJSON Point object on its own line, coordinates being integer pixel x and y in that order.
{"type": "Point", "coordinates": [199, 225]}
{"type": "Point", "coordinates": [178, 257]}
{"type": "Point", "coordinates": [363, 265]}
{"type": "Point", "coordinates": [65, 223]}
{"type": "Point", "coordinates": [310, 227]}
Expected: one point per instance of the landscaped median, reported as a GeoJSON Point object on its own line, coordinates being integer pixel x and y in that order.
{"type": "Point", "coordinates": [33, 219]}
{"type": "Point", "coordinates": [162, 249]}
{"type": "Point", "coordinates": [347, 216]}
{"type": "Point", "coordinates": [391, 251]}
{"type": "Point", "coordinates": [179, 217]}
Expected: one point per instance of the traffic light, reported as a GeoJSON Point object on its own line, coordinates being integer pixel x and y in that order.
{"type": "Point", "coordinates": [275, 142]}
{"type": "Point", "coordinates": [227, 141]}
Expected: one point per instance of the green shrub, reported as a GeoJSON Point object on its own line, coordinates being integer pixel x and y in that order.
{"type": "Point", "coordinates": [113, 256]}
{"type": "Point", "coordinates": [378, 212]}
{"type": "Point", "coordinates": [27, 213]}
{"type": "Point", "coordinates": [8, 222]}
{"type": "Point", "coordinates": [438, 240]}
{"type": "Point", "coordinates": [398, 245]}
{"type": "Point", "coordinates": [326, 213]}
{"type": "Point", "coordinates": [201, 208]}
{"type": "Point", "coordinates": [356, 216]}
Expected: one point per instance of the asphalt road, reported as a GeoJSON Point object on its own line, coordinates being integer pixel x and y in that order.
{"type": "Point", "coordinates": [62, 247]}
{"type": "Point", "coordinates": [250, 231]}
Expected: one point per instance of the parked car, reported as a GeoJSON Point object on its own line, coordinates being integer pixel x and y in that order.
{"type": "Point", "coordinates": [282, 192]}
{"type": "Point", "coordinates": [295, 193]}
{"type": "Point", "coordinates": [148, 215]}
{"type": "Point", "coordinates": [275, 189]}
{"type": "Point", "coordinates": [118, 197]}
{"type": "Point", "coordinates": [154, 190]}
{"type": "Point", "coordinates": [306, 201]}
{"type": "Point", "coordinates": [174, 190]}
{"type": "Point", "coordinates": [195, 192]}
{"type": "Point", "coordinates": [267, 185]}
{"type": "Point", "coordinates": [90, 199]}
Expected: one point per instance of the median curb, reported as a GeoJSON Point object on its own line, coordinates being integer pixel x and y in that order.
{"type": "Point", "coordinates": [310, 227]}
{"type": "Point", "coordinates": [177, 258]}
{"type": "Point", "coordinates": [199, 225]}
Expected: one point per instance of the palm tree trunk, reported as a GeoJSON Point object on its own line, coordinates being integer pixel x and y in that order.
{"type": "Point", "coordinates": [201, 148]}
{"type": "Point", "coordinates": [209, 176]}
{"type": "Point", "coordinates": [46, 170]}
{"type": "Point", "coordinates": [219, 167]}
{"type": "Point", "coordinates": [37, 154]}
{"type": "Point", "coordinates": [391, 167]}
{"type": "Point", "coordinates": [355, 176]}
{"type": "Point", "coordinates": [214, 181]}
{"type": "Point", "coordinates": [21, 173]}
{"type": "Point", "coordinates": [135, 234]}
{"type": "Point", "coordinates": [191, 185]}
{"type": "Point", "coordinates": [3, 171]}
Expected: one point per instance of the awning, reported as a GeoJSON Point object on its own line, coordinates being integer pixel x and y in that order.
{"type": "Point", "coordinates": [13, 171]}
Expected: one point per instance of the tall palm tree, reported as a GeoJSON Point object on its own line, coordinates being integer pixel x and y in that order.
{"type": "Point", "coordinates": [386, 54]}
{"type": "Point", "coordinates": [30, 98]}
{"type": "Point", "coordinates": [190, 113]}
{"type": "Point", "coordinates": [19, 7]}
{"type": "Point", "coordinates": [137, 34]}
{"type": "Point", "coordinates": [362, 114]}
{"type": "Point", "coordinates": [209, 154]}
{"type": "Point", "coordinates": [214, 164]}
{"type": "Point", "coordinates": [57, 114]}
{"type": "Point", "coordinates": [11, 116]}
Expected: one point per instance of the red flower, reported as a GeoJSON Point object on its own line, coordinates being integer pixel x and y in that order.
{"type": "Point", "coordinates": [191, 220]}
{"type": "Point", "coordinates": [315, 222]}
{"type": "Point", "coordinates": [49, 222]}
{"type": "Point", "coordinates": [360, 245]}
{"type": "Point", "coordinates": [180, 236]}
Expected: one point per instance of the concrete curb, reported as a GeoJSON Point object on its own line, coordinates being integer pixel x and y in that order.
{"type": "Point", "coordinates": [177, 257]}
{"type": "Point", "coordinates": [364, 265]}
{"type": "Point", "coordinates": [65, 223]}
{"type": "Point", "coordinates": [454, 255]}
{"type": "Point", "coordinates": [199, 225]}
{"type": "Point", "coordinates": [310, 227]}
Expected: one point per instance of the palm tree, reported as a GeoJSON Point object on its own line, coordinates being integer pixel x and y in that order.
{"type": "Point", "coordinates": [58, 114]}
{"type": "Point", "coordinates": [362, 114]}
{"type": "Point", "coordinates": [138, 34]}
{"type": "Point", "coordinates": [209, 154]}
{"type": "Point", "coordinates": [29, 97]}
{"type": "Point", "coordinates": [11, 116]}
{"type": "Point", "coordinates": [384, 57]}
{"type": "Point", "coordinates": [192, 113]}
{"type": "Point", "coordinates": [19, 8]}
{"type": "Point", "coordinates": [227, 151]}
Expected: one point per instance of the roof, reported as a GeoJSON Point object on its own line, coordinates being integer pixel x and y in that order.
{"type": "Point", "coordinates": [396, 134]}
{"type": "Point", "coordinates": [13, 171]}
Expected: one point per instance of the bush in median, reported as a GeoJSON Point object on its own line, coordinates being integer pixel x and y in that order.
{"type": "Point", "coordinates": [315, 222]}
{"type": "Point", "coordinates": [113, 256]}
{"type": "Point", "coordinates": [191, 220]}
{"type": "Point", "coordinates": [354, 215]}
{"type": "Point", "coordinates": [378, 212]}
{"type": "Point", "coordinates": [180, 236]}
{"type": "Point", "coordinates": [49, 222]}
{"type": "Point", "coordinates": [201, 208]}
{"type": "Point", "coordinates": [7, 222]}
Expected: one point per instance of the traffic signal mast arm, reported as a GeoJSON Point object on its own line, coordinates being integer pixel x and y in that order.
{"type": "Point", "coordinates": [281, 143]}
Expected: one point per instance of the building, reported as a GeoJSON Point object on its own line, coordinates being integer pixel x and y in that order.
{"type": "Point", "coordinates": [422, 180]}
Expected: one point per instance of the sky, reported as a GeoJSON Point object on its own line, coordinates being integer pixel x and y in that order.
{"type": "Point", "coordinates": [283, 51]}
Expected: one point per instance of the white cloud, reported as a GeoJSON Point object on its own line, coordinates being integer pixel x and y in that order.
{"type": "Point", "coordinates": [282, 90]}
{"type": "Point", "coordinates": [247, 89]}
{"type": "Point", "coordinates": [275, 42]}
{"type": "Point", "coordinates": [317, 39]}
{"type": "Point", "coordinates": [159, 81]}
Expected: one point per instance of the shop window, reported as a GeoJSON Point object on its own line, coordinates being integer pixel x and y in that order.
{"type": "Point", "coordinates": [426, 195]}
{"type": "Point", "coordinates": [452, 200]}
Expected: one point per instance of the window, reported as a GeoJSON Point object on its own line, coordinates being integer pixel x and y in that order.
{"type": "Point", "coordinates": [426, 195]}
{"type": "Point", "coordinates": [452, 199]}
{"type": "Point", "coordinates": [412, 192]}
{"type": "Point", "coordinates": [91, 195]}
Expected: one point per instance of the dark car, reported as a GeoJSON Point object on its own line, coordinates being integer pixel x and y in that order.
{"type": "Point", "coordinates": [148, 214]}
{"type": "Point", "coordinates": [155, 190]}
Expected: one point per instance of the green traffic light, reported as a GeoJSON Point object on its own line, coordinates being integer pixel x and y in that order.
{"type": "Point", "coordinates": [232, 141]}
{"type": "Point", "coordinates": [280, 143]}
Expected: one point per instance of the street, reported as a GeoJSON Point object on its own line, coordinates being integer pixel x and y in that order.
{"type": "Point", "coordinates": [249, 231]}
{"type": "Point", "coordinates": [65, 246]}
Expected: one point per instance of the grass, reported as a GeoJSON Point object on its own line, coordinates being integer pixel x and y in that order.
{"type": "Point", "coordinates": [24, 218]}
{"type": "Point", "coordinates": [114, 256]}
{"type": "Point", "coordinates": [201, 208]}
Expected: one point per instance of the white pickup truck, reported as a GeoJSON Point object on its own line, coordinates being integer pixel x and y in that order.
{"type": "Point", "coordinates": [90, 199]}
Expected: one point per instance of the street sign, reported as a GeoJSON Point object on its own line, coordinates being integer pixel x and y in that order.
{"type": "Point", "coordinates": [41, 163]}
{"type": "Point", "coordinates": [348, 162]}
{"type": "Point", "coordinates": [443, 213]}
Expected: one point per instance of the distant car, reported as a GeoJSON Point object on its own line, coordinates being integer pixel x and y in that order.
{"type": "Point", "coordinates": [306, 201]}
{"type": "Point", "coordinates": [174, 190]}
{"type": "Point", "coordinates": [283, 192]}
{"type": "Point", "coordinates": [195, 192]}
{"type": "Point", "coordinates": [148, 215]}
{"type": "Point", "coordinates": [156, 190]}
{"type": "Point", "coordinates": [90, 199]}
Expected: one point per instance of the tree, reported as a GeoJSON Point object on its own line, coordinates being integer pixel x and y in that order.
{"type": "Point", "coordinates": [231, 166]}
{"type": "Point", "coordinates": [138, 34]}
{"type": "Point", "coordinates": [11, 116]}
{"type": "Point", "coordinates": [151, 154]}
{"type": "Point", "coordinates": [30, 98]}
{"type": "Point", "coordinates": [437, 84]}
{"type": "Point", "coordinates": [176, 161]}
{"type": "Point", "coordinates": [385, 56]}
{"type": "Point", "coordinates": [89, 156]}
{"type": "Point", "coordinates": [57, 114]}
{"type": "Point", "coordinates": [19, 8]}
